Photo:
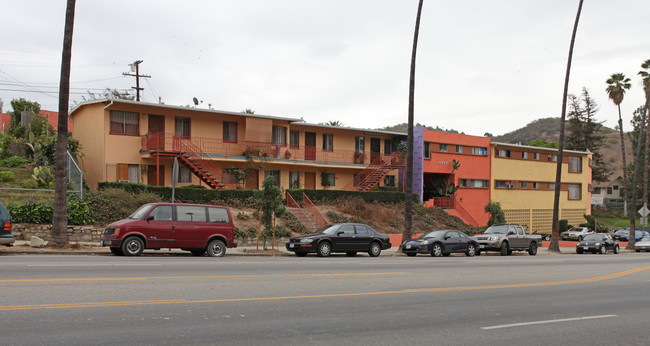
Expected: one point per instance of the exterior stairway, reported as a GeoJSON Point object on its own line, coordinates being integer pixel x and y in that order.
{"type": "Point", "coordinates": [198, 162]}
{"type": "Point", "coordinates": [308, 215]}
{"type": "Point", "coordinates": [370, 177]}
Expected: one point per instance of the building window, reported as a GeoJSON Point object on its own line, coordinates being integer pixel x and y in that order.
{"type": "Point", "coordinates": [615, 187]}
{"type": "Point", "coordinates": [536, 156]}
{"type": "Point", "coordinates": [279, 136]}
{"type": "Point", "coordinates": [427, 150]}
{"type": "Point", "coordinates": [125, 123]}
{"type": "Point", "coordinates": [504, 153]}
{"type": "Point", "coordinates": [443, 148]}
{"type": "Point", "coordinates": [229, 132]}
{"type": "Point", "coordinates": [597, 190]}
{"type": "Point", "coordinates": [475, 183]}
{"type": "Point", "coordinates": [609, 191]}
{"type": "Point", "coordinates": [479, 151]}
{"type": "Point", "coordinates": [328, 179]}
{"type": "Point", "coordinates": [273, 173]}
{"type": "Point", "coordinates": [128, 173]}
{"type": "Point", "coordinates": [551, 186]}
{"type": "Point", "coordinates": [388, 147]}
{"type": "Point", "coordinates": [523, 185]}
{"type": "Point", "coordinates": [552, 158]}
{"type": "Point", "coordinates": [575, 164]}
{"type": "Point", "coordinates": [359, 144]}
{"type": "Point", "coordinates": [294, 139]}
{"type": "Point", "coordinates": [182, 127]}
{"type": "Point", "coordinates": [536, 186]}
{"type": "Point", "coordinates": [389, 180]}
{"type": "Point", "coordinates": [328, 142]}
{"type": "Point", "coordinates": [500, 184]}
{"type": "Point", "coordinates": [184, 175]}
{"type": "Point", "coordinates": [524, 154]}
{"type": "Point", "coordinates": [294, 180]}
{"type": "Point", "coordinates": [575, 191]}
{"type": "Point", "coordinates": [459, 149]}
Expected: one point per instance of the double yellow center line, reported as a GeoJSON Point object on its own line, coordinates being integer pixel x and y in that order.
{"type": "Point", "coordinates": [185, 301]}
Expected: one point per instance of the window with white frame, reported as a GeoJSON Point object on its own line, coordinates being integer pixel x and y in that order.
{"type": "Point", "coordinates": [443, 148]}
{"type": "Point", "coordinates": [536, 156]}
{"type": "Point", "coordinates": [229, 132]}
{"type": "Point", "coordinates": [294, 180]}
{"type": "Point", "coordinates": [503, 153]}
{"type": "Point", "coordinates": [524, 154]}
{"type": "Point", "coordinates": [328, 142]}
{"type": "Point", "coordinates": [459, 149]}
{"type": "Point", "coordinates": [479, 151]}
{"type": "Point", "coordinates": [184, 175]}
{"type": "Point", "coordinates": [124, 123]}
{"type": "Point", "coordinates": [279, 135]}
{"type": "Point", "coordinates": [328, 179]}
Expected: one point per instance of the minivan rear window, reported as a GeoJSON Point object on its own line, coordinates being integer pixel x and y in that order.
{"type": "Point", "coordinates": [219, 215]}
{"type": "Point", "coordinates": [190, 213]}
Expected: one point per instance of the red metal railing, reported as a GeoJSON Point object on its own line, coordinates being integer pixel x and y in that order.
{"type": "Point", "coordinates": [378, 168]}
{"type": "Point", "coordinates": [216, 173]}
{"type": "Point", "coordinates": [299, 213]}
{"type": "Point", "coordinates": [315, 214]}
{"type": "Point", "coordinates": [166, 142]}
{"type": "Point", "coordinates": [452, 203]}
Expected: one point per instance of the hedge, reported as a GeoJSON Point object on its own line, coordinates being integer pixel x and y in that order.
{"type": "Point", "coordinates": [78, 213]}
{"type": "Point", "coordinates": [334, 195]}
{"type": "Point", "coordinates": [182, 194]}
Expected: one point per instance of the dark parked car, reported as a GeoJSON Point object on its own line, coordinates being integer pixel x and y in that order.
{"type": "Point", "coordinates": [5, 227]}
{"type": "Point", "coordinates": [342, 237]}
{"type": "Point", "coordinates": [638, 235]}
{"type": "Point", "coordinates": [191, 227]}
{"type": "Point", "coordinates": [598, 242]}
{"type": "Point", "coordinates": [442, 243]}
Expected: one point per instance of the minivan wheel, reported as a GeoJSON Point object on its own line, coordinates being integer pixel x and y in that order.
{"type": "Point", "coordinates": [216, 248]}
{"type": "Point", "coordinates": [324, 249]}
{"type": "Point", "coordinates": [132, 246]}
{"type": "Point", "coordinates": [375, 249]}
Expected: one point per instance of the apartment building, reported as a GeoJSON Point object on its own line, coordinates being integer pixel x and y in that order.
{"type": "Point", "coordinates": [138, 142]}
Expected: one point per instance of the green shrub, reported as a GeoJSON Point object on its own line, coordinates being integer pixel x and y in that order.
{"type": "Point", "coordinates": [7, 176]}
{"type": "Point", "coordinates": [29, 184]}
{"type": "Point", "coordinates": [335, 195]}
{"type": "Point", "coordinates": [78, 213]}
{"type": "Point", "coordinates": [564, 225]}
{"type": "Point", "coordinates": [14, 161]}
{"type": "Point", "coordinates": [110, 205]}
{"type": "Point", "coordinates": [187, 194]}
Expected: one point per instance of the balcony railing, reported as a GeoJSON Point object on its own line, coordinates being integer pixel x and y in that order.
{"type": "Point", "coordinates": [168, 142]}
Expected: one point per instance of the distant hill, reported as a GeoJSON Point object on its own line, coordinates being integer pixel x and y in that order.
{"type": "Point", "coordinates": [547, 129]}
{"type": "Point", "coordinates": [404, 128]}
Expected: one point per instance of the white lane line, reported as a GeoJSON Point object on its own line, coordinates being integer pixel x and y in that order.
{"type": "Point", "coordinates": [95, 265]}
{"type": "Point", "coordinates": [547, 321]}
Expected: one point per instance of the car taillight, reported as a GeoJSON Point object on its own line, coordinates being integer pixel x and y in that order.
{"type": "Point", "coordinates": [7, 227]}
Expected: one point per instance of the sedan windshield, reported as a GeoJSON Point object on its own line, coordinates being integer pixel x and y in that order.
{"type": "Point", "coordinates": [497, 230]}
{"type": "Point", "coordinates": [593, 237]}
{"type": "Point", "coordinates": [330, 229]}
{"type": "Point", "coordinates": [434, 234]}
{"type": "Point", "coordinates": [142, 211]}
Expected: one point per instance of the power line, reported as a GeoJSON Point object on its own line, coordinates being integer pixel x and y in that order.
{"type": "Point", "coordinates": [137, 76]}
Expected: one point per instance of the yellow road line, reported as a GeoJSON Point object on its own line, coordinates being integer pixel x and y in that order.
{"type": "Point", "coordinates": [196, 277]}
{"type": "Point", "coordinates": [410, 291]}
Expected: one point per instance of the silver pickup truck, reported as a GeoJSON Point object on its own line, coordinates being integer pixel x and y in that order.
{"type": "Point", "coordinates": [508, 238]}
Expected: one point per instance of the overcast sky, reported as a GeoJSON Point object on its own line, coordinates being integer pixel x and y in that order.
{"type": "Point", "coordinates": [482, 66]}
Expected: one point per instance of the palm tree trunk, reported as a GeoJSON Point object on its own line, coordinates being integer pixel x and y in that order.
{"type": "Point", "coordinates": [632, 239]}
{"type": "Point", "coordinates": [647, 148]}
{"type": "Point", "coordinates": [408, 202]}
{"type": "Point", "coordinates": [60, 216]}
{"type": "Point", "coordinates": [555, 233]}
{"type": "Point", "coordinates": [622, 139]}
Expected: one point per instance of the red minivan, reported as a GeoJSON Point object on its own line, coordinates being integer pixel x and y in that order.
{"type": "Point", "coordinates": [195, 228]}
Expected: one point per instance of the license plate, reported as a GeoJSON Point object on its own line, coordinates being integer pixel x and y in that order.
{"type": "Point", "coordinates": [482, 246]}
{"type": "Point", "coordinates": [408, 246]}
{"type": "Point", "coordinates": [291, 246]}
{"type": "Point", "coordinates": [585, 247]}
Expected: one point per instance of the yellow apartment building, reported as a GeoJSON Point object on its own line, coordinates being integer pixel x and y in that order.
{"type": "Point", "coordinates": [523, 181]}
{"type": "Point", "coordinates": [138, 142]}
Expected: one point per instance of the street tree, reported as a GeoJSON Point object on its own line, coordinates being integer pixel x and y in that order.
{"type": "Point", "coordinates": [645, 75]}
{"type": "Point", "coordinates": [617, 84]}
{"type": "Point", "coordinates": [60, 213]}
{"type": "Point", "coordinates": [555, 234]}
{"type": "Point", "coordinates": [270, 201]}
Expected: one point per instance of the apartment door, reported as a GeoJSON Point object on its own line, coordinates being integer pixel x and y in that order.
{"type": "Point", "coordinates": [375, 150]}
{"type": "Point", "coordinates": [310, 146]}
{"type": "Point", "coordinates": [310, 181]}
{"type": "Point", "coordinates": [151, 175]}
{"type": "Point", "coordinates": [156, 130]}
{"type": "Point", "coordinates": [253, 180]}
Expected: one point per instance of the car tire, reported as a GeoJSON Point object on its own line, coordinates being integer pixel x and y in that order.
{"type": "Point", "coordinates": [324, 249]}
{"type": "Point", "coordinates": [216, 248]}
{"type": "Point", "coordinates": [505, 249]}
{"type": "Point", "coordinates": [579, 251]}
{"type": "Point", "coordinates": [351, 253]}
{"type": "Point", "coordinates": [411, 254]}
{"type": "Point", "coordinates": [197, 252]}
{"type": "Point", "coordinates": [301, 254]}
{"type": "Point", "coordinates": [532, 248]}
{"type": "Point", "coordinates": [375, 249]}
{"type": "Point", "coordinates": [603, 249]}
{"type": "Point", "coordinates": [471, 250]}
{"type": "Point", "coordinates": [118, 252]}
{"type": "Point", "coordinates": [436, 250]}
{"type": "Point", "coordinates": [132, 246]}
{"type": "Point", "coordinates": [616, 249]}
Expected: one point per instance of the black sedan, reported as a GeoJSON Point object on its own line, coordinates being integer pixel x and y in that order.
{"type": "Point", "coordinates": [599, 242]}
{"type": "Point", "coordinates": [442, 243]}
{"type": "Point", "coordinates": [341, 237]}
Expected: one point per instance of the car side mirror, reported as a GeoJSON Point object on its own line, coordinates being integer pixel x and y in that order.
{"type": "Point", "coordinates": [338, 234]}
{"type": "Point", "coordinates": [149, 218]}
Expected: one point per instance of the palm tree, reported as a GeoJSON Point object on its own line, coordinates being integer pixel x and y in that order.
{"type": "Point", "coordinates": [334, 123]}
{"type": "Point", "coordinates": [617, 84]}
{"type": "Point", "coordinates": [60, 215]}
{"type": "Point", "coordinates": [645, 74]}
{"type": "Point", "coordinates": [555, 233]}
{"type": "Point", "coordinates": [408, 189]}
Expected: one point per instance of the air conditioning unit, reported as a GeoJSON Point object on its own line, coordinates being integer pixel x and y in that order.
{"type": "Point", "coordinates": [510, 186]}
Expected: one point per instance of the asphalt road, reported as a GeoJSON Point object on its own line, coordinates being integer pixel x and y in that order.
{"type": "Point", "coordinates": [95, 300]}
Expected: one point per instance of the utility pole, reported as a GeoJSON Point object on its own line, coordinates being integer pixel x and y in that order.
{"type": "Point", "coordinates": [136, 66]}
